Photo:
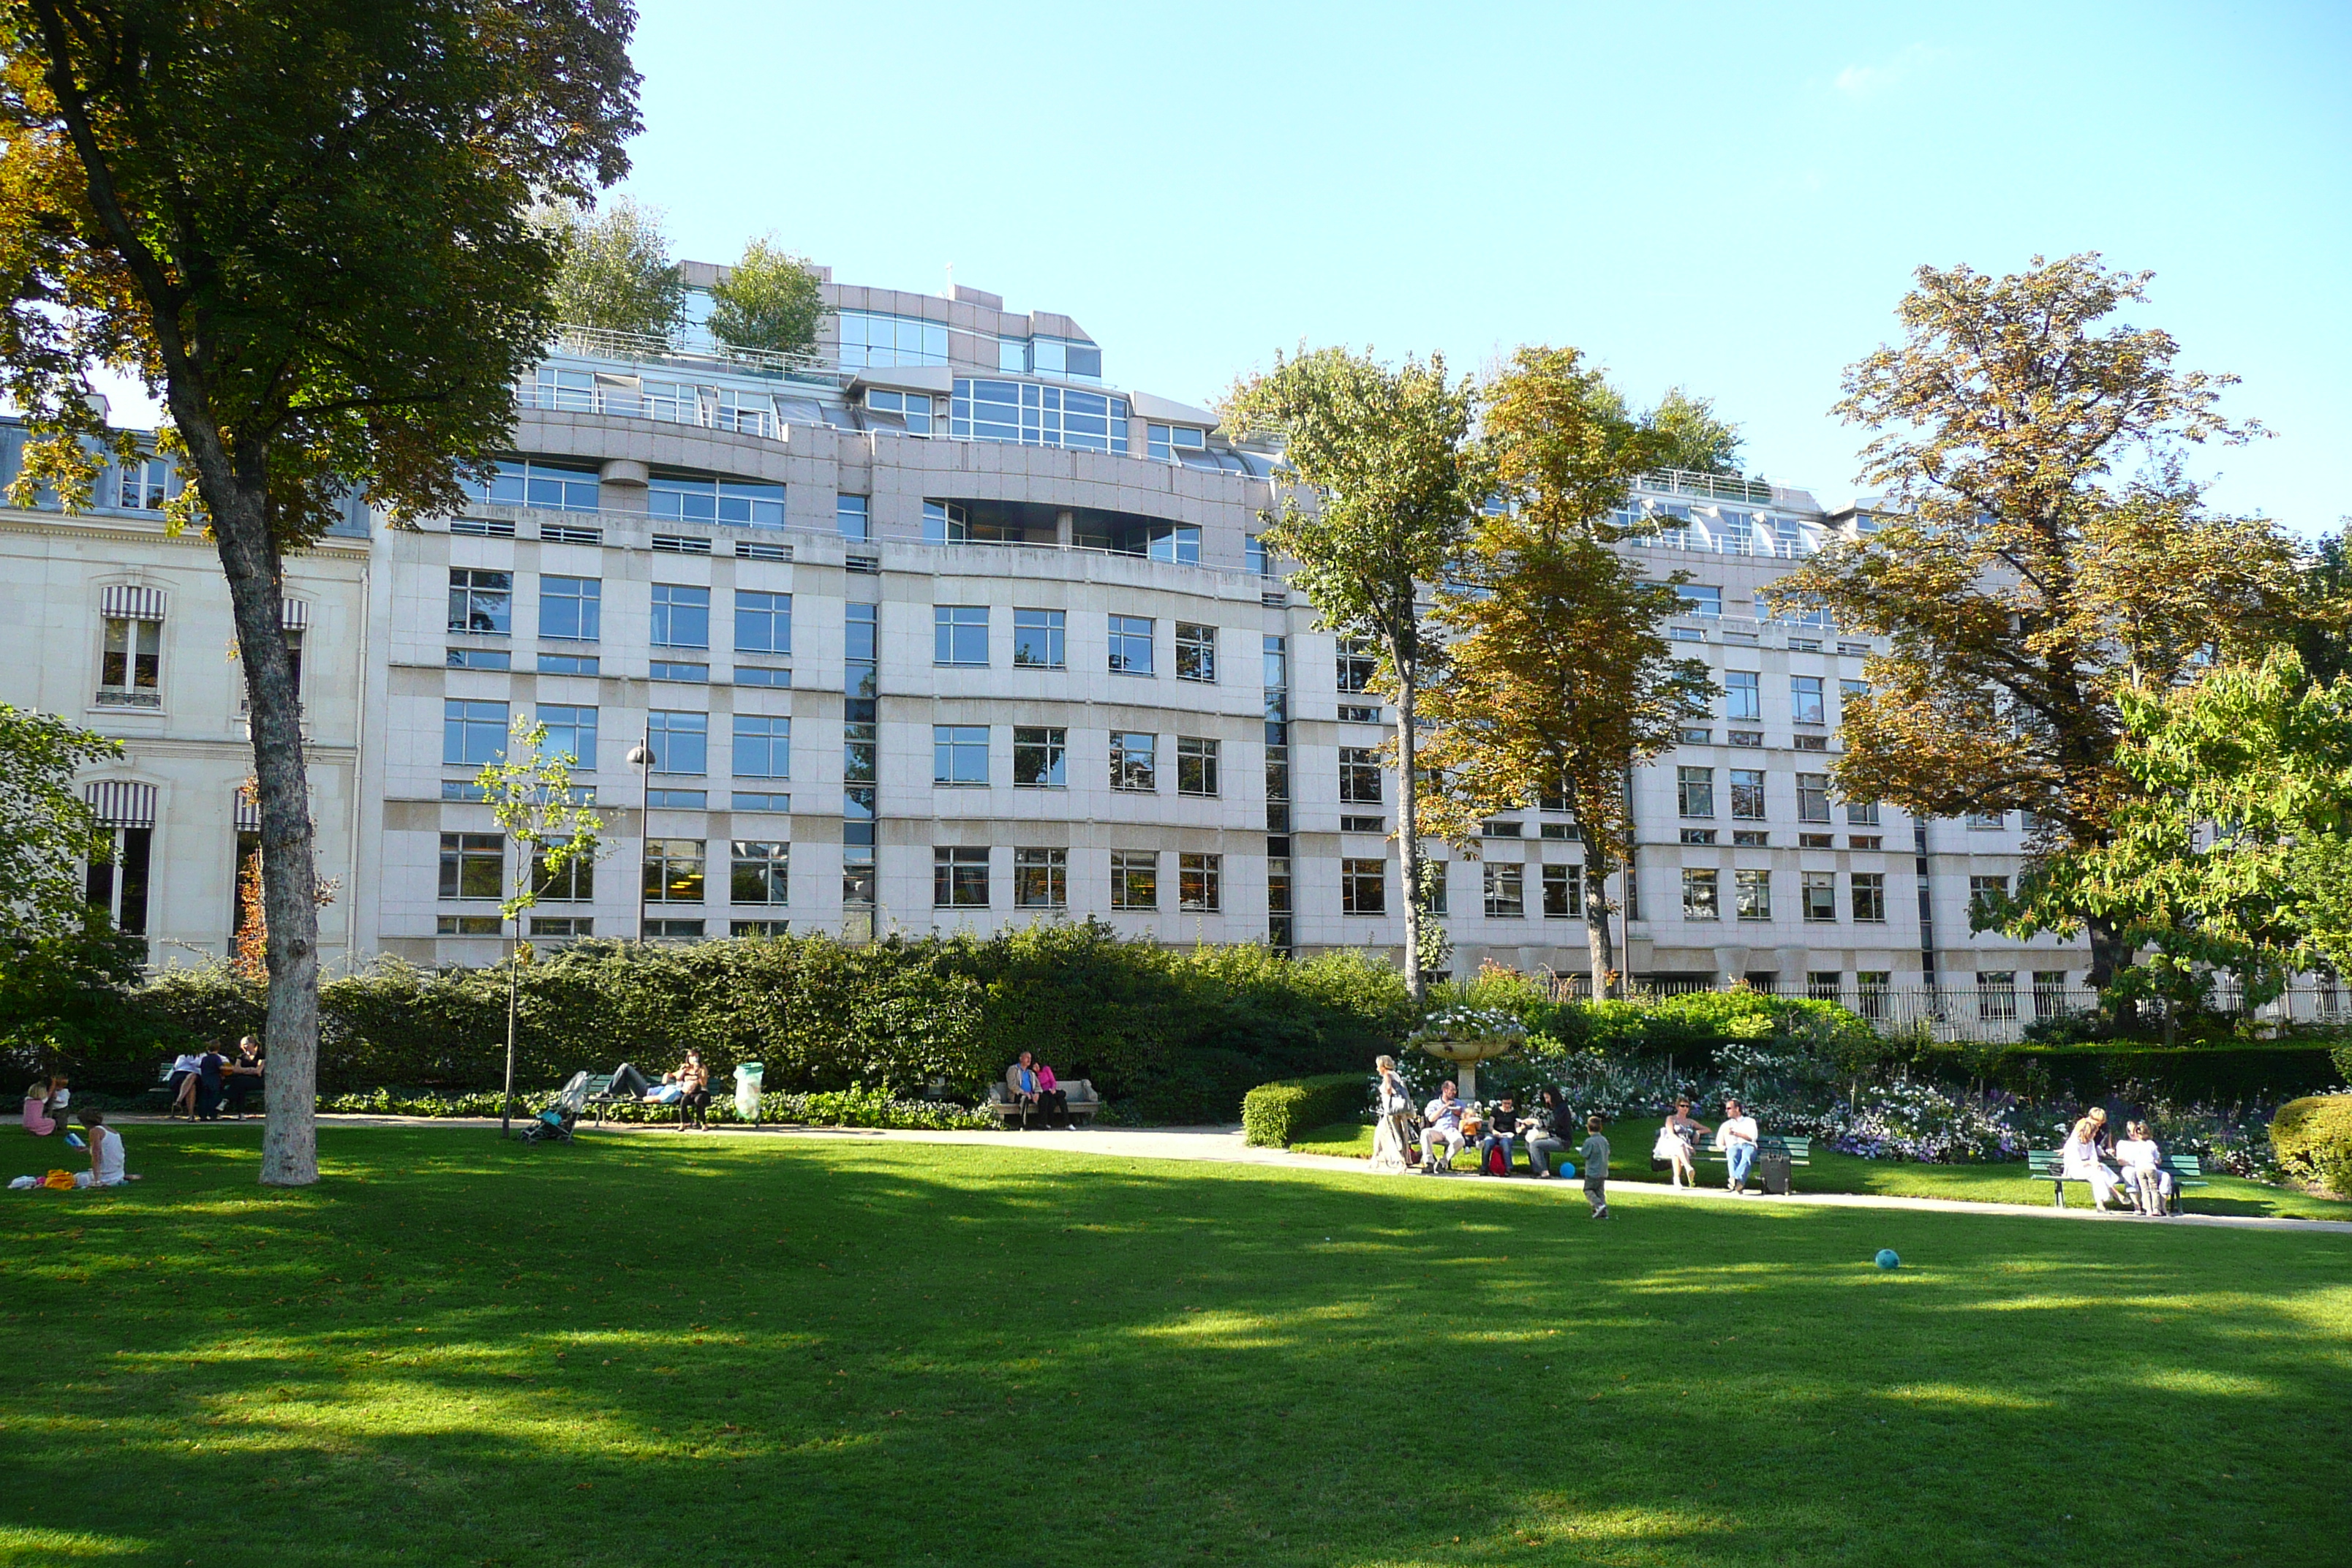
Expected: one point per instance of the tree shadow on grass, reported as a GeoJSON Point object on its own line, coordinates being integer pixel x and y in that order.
{"type": "Point", "coordinates": [747, 1351]}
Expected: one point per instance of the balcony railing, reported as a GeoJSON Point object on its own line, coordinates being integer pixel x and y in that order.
{"type": "Point", "coordinates": [1712, 487]}
{"type": "Point", "coordinates": [601, 343]}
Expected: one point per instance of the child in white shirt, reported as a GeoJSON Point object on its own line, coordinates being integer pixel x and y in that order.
{"type": "Point", "coordinates": [2142, 1161]}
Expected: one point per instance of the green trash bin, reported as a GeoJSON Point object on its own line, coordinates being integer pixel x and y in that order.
{"type": "Point", "coordinates": [748, 1075]}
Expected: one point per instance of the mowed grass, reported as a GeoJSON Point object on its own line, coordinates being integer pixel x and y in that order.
{"type": "Point", "coordinates": [1629, 1161]}
{"type": "Point", "coordinates": [653, 1348]}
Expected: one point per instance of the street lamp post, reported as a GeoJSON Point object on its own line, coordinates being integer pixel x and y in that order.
{"type": "Point", "coordinates": [641, 757]}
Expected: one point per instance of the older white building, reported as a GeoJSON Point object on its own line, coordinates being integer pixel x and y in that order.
{"type": "Point", "coordinates": [937, 629]}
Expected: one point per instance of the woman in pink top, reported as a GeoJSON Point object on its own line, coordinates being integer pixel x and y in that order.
{"type": "Point", "coordinates": [1053, 1104]}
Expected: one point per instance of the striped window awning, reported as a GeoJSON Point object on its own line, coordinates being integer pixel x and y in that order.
{"type": "Point", "coordinates": [128, 601]}
{"type": "Point", "coordinates": [121, 803]}
{"type": "Point", "coordinates": [295, 615]}
{"type": "Point", "coordinates": [249, 810]}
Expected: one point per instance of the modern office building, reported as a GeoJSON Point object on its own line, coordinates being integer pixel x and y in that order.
{"type": "Point", "coordinates": [940, 629]}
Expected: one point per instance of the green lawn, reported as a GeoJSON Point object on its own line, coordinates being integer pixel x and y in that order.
{"type": "Point", "coordinates": [651, 1348]}
{"type": "Point", "coordinates": [1629, 1161]}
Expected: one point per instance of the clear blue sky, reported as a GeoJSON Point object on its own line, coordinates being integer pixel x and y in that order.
{"type": "Point", "coordinates": [1727, 196]}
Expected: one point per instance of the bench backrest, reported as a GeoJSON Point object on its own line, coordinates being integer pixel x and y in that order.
{"type": "Point", "coordinates": [2044, 1161]}
{"type": "Point", "coordinates": [2184, 1165]}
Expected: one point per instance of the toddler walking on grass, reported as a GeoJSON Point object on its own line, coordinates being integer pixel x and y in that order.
{"type": "Point", "coordinates": [1595, 1155]}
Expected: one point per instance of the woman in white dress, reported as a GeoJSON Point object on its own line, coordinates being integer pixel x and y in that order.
{"type": "Point", "coordinates": [2079, 1159]}
{"type": "Point", "coordinates": [1392, 1131]}
{"type": "Point", "coordinates": [1677, 1137]}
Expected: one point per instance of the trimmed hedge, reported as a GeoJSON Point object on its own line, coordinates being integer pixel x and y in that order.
{"type": "Point", "coordinates": [1178, 1036]}
{"type": "Point", "coordinates": [1274, 1113]}
{"type": "Point", "coordinates": [2226, 1075]}
{"type": "Point", "coordinates": [848, 1108]}
{"type": "Point", "coordinates": [2313, 1140]}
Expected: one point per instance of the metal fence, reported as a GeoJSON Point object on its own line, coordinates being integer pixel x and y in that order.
{"type": "Point", "coordinates": [1991, 1013]}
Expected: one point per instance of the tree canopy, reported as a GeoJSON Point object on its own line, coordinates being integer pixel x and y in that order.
{"type": "Point", "coordinates": [617, 273]}
{"type": "Point", "coordinates": [47, 830]}
{"type": "Point", "coordinates": [1391, 480]}
{"type": "Point", "coordinates": [771, 299]}
{"type": "Point", "coordinates": [308, 224]}
{"type": "Point", "coordinates": [1692, 436]}
{"type": "Point", "coordinates": [2024, 581]}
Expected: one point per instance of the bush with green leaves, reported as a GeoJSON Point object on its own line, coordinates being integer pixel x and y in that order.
{"type": "Point", "coordinates": [1274, 1114]}
{"type": "Point", "coordinates": [2312, 1139]}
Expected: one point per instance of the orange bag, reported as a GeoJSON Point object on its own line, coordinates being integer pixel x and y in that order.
{"type": "Point", "coordinates": [61, 1181]}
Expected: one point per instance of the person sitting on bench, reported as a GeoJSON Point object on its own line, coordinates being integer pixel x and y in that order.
{"type": "Point", "coordinates": [695, 1079]}
{"type": "Point", "coordinates": [1053, 1100]}
{"type": "Point", "coordinates": [1736, 1135]}
{"type": "Point", "coordinates": [2143, 1170]}
{"type": "Point", "coordinates": [1502, 1129]}
{"type": "Point", "coordinates": [1442, 1120]}
{"type": "Point", "coordinates": [1542, 1128]}
{"type": "Point", "coordinates": [2079, 1159]}
{"type": "Point", "coordinates": [1020, 1081]}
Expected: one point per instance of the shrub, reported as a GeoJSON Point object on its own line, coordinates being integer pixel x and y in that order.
{"type": "Point", "coordinates": [2313, 1141]}
{"type": "Point", "coordinates": [847, 1108]}
{"type": "Point", "coordinates": [1273, 1114]}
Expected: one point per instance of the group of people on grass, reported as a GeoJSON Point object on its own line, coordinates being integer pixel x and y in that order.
{"type": "Point", "coordinates": [1448, 1126]}
{"type": "Point", "coordinates": [103, 1144]}
{"type": "Point", "coordinates": [2131, 1167]}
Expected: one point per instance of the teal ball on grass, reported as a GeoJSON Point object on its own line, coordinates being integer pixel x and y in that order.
{"type": "Point", "coordinates": [1886, 1258]}
{"type": "Point", "coordinates": [1566, 1170]}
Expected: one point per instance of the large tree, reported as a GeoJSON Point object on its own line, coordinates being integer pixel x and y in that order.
{"type": "Point", "coordinates": [1557, 678]}
{"type": "Point", "coordinates": [2023, 577]}
{"type": "Point", "coordinates": [306, 225]}
{"type": "Point", "coordinates": [1391, 480]}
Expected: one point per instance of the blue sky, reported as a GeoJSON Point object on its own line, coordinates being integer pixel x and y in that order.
{"type": "Point", "coordinates": [1730, 197]}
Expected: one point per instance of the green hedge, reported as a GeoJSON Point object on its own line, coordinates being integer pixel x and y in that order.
{"type": "Point", "coordinates": [1180, 1035]}
{"type": "Point", "coordinates": [1274, 1113]}
{"type": "Point", "coordinates": [2212, 1074]}
{"type": "Point", "coordinates": [2313, 1140]}
{"type": "Point", "coordinates": [847, 1108]}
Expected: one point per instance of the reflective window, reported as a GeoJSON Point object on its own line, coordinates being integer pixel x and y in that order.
{"type": "Point", "coordinates": [959, 754]}
{"type": "Point", "coordinates": [914, 407]}
{"type": "Point", "coordinates": [1747, 794]}
{"type": "Point", "coordinates": [960, 633]}
{"type": "Point", "coordinates": [681, 615]}
{"type": "Point", "coordinates": [472, 732]}
{"type": "Point", "coordinates": [1037, 639]}
{"type": "Point", "coordinates": [479, 601]}
{"type": "Point", "coordinates": [146, 483]}
{"type": "Point", "coordinates": [1199, 880]}
{"type": "Point", "coordinates": [1813, 797]}
{"type": "Point", "coordinates": [853, 517]}
{"type": "Point", "coordinates": [1196, 652]}
{"type": "Point", "coordinates": [1196, 765]}
{"type": "Point", "coordinates": [1695, 791]}
{"type": "Point", "coordinates": [735, 501]}
{"type": "Point", "coordinates": [1820, 895]}
{"type": "Point", "coordinates": [1360, 775]}
{"type": "Point", "coordinates": [570, 731]}
{"type": "Point", "coordinates": [1741, 698]}
{"type": "Point", "coordinates": [1358, 663]}
{"type": "Point", "coordinates": [1134, 880]}
{"type": "Point", "coordinates": [1040, 757]}
{"type": "Point", "coordinates": [1702, 899]}
{"type": "Point", "coordinates": [1041, 878]}
{"type": "Point", "coordinates": [764, 746]}
{"type": "Point", "coordinates": [763, 622]}
{"type": "Point", "coordinates": [959, 879]}
{"type": "Point", "coordinates": [1165, 442]}
{"type": "Point", "coordinates": [680, 742]}
{"type": "Point", "coordinates": [1033, 415]}
{"type": "Point", "coordinates": [874, 338]}
{"type": "Point", "coordinates": [760, 872]}
{"type": "Point", "coordinates": [1130, 645]}
{"type": "Point", "coordinates": [1507, 896]}
{"type": "Point", "coordinates": [547, 485]}
{"type": "Point", "coordinates": [1805, 699]}
{"type": "Point", "coordinates": [473, 865]}
{"type": "Point", "coordinates": [1364, 887]}
{"type": "Point", "coordinates": [1134, 760]}
{"type": "Point", "coordinates": [569, 608]}
{"type": "Point", "coordinates": [1870, 896]}
{"type": "Point", "coordinates": [1061, 357]}
{"type": "Point", "coordinates": [1699, 600]}
{"type": "Point", "coordinates": [1753, 894]}
{"type": "Point", "coordinates": [944, 523]}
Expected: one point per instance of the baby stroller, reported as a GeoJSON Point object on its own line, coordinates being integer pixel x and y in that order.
{"type": "Point", "coordinates": [554, 1122]}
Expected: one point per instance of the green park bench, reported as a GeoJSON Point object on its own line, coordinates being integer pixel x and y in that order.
{"type": "Point", "coordinates": [2049, 1165]}
{"type": "Point", "coordinates": [1799, 1149]}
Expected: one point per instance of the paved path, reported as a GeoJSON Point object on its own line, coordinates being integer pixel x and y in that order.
{"type": "Point", "coordinates": [1224, 1144]}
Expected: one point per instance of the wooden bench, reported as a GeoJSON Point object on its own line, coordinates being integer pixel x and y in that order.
{"type": "Point", "coordinates": [1799, 1149]}
{"type": "Point", "coordinates": [2048, 1165]}
{"type": "Point", "coordinates": [1084, 1102]}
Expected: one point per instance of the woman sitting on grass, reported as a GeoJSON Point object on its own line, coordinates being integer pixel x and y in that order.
{"type": "Point", "coordinates": [2078, 1159]}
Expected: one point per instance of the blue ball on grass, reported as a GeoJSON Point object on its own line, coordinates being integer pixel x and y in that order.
{"type": "Point", "coordinates": [1566, 1170]}
{"type": "Point", "coordinates": [1887, 1259]}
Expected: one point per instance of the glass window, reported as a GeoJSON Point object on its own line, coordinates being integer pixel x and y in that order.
{"type": "Point", "coordinates": [959, 754]}
{"type": "Point", "coordinates": [1040, 757]}
{"type": "Point", "coordinates": [1130, 645]}
{"type": "Point", "coordinates": [131, 665]}
{"type": "Point", "coordinates": [1861, 813]}
{"type": "Point", "coordinates": [548, 486]}
{"type": "Point", "coordinates": [1037, 639]}
{"type": "Point", "coordinates": [1041, 878]}
{"type": "Point", "coordinates": [1988, 821]}
{"type": "Point", "coordinates": [1364, 887]}
{"type": "Point", "coordinates": [1133, 759]}
{"type": "Point", "coordinates": [481, 602]}
{"type": "Point", "coordinates": [1996, 994]}
{"type": "Point", "coordinates": [1695, 791]}
{"type": "Point", "coordinates": [680, 742]}
{"type": "Point", "coordinates": [875, 338]}
{"type": "Point", "coordinates": [763, 622]}
{"type": "Point", "coordinates": [1747, 794]}
{"type": "Point", "coordinates": [1751, 894]}
{"type": "Point", "coordinates": [1433, 885]}
{"type": "Point", "coordinates": [960, 633]}
{"type": "Point", "coordinates": [1848, 692]}
{"type": "Point", "coordinates": [573, 883]}
{"type": "Point", "coordinates": [1870, 896]}
{"type": "Point", "coordinates": [944, 523]}
{"type": "Point", "coordinates": [740, 502]}
{"type": "Point", "coordinates": [569, 608]}
{"type": "Point", "coordinates": [1176, 541]}
{"type": "Point", "coordinates": [570, 731]}
{"type": "Point", "coordinates": [1701, 895]}
{"type": "Point", "coordinates": [1805, 699]}
{"type": "Point", "coordinates": [1135, 880]}
{"type": "Point", "coordinates": [1196, 652]}
{"type": "Point", "coordinates": [146, 484]}
{"type": "Point", "coordinates": [1199, 880]}
{"type": "Point", "coordinates": [853, 517]}
{"type": "Point", "coordinates": [1034, 415]}
{"type": "Point", "coordinates": [1196, 765]}
{"type": "Point", "coordinates": [1821, 895]}
{"type": "Point", "coordinates": [681, 615]}
{"type": "Point", "coordinates": [473, 865]}
{"type": "Point", "coordinates": [1505, 890]}
{"type": "Point", "coordinates": [472, 732]}
{"type": "Point", "coordinates": [914, 407]}
{"type": "Point", "coordinates": [1358, 663]}
{"type": "Point", "coordinates": [763, 747]}
{"type": "Point", "coordinates": [1741, 697]}
{"type": "Point", "coordinates": [1168, 442]}
{"type": "Point", "coordinates": [1360, 775]}
{"type": "Point", "coordinates": [959, 879]}
{"type": "Point", "coordinates": [1813, 797]}
{"type": "Point", "coordinates": [1254, 555]}
{"type": "Point", "coordinates": [1700, 600]}
{"type": "Point", "coordinates": [1563, 892]}
{"type": "Point", "coordinates": [1986, 891]}
{"type": "Point", "coordinates": [760, 872]}
{"type": "Point", "coordinates": [674, 872]}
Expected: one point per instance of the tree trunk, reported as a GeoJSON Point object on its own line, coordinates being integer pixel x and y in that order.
{"type": "Point", "coordinates": [1408, 835]}
{"type": "Point", "coordinates": [234, 494]}
{"type": "Point", "coordinates": [1603, 949]}
{"type": "Point", "coordinates": [2110, 957]}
